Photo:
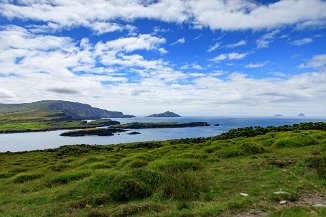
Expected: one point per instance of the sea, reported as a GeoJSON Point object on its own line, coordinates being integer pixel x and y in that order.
{"type": "Point", "coordinates": [19, 142]}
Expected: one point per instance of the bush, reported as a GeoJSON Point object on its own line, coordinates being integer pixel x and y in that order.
{"type": "Point", "coordinates": [184, 186]}
{"type": "Point", "coordinates": [176, 165]}
{"type": "Point", "coordinates": [252, 148]}
{"type": "Point", "coordinates": [291, 142]}
{"type": "Point", "coordinates": [319, 164]}
{"type": "Point", "coordinates": [25, 177]}
{"type": "Point", "coordinates": [65, 178]}
{"type": "Point", "coordinates": [123, 187]}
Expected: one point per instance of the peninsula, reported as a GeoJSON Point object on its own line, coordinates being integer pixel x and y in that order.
{"type": "Point", "coordinates": [52, 115]}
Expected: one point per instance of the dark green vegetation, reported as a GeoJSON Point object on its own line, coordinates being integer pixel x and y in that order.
{"type": "Point", "coordinates": [117, 128]}
{"type": "Point", "coordinates": [138, 125]}
{"type": "Point", "coordinates": [188, 177]}
{"type": "Point", "coordinates": [33, 126]}
{"type": "Point", "coordinates": [166, 114]}
{"type": "Point", "coordinates": [93, 132]}
{"type": "Point", "coordinates": [50, 115]}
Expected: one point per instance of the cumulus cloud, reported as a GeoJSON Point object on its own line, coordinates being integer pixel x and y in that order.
{"type": "Point", "coordinates": [317, 62]}
{"type": "Point", "coordinates": [245, 14]}
{"type": "Point", "coordinates": [215, 14]}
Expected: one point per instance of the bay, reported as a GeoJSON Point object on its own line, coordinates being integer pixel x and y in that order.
{"type": "Point", "coordinates": [43, 140]}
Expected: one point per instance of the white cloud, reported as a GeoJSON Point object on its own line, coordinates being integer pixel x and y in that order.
{"type": "Point", "coordinates": [197, 66]}
{"type": "Point", "coordinates": [237, 44]}
{"type": "Point", "coordinates": [229, 56]}
{"type": "Point", "coordinates": [246, 14]}
{"type": "Point", "coordinates": [255, 65]}
{"type": "Point", "coordinates": [179, 41]}
{"type": "Point", "coordinates": [215, 14]}
{"type": "Point", "coordinates": [302, 41]}
{"type": "Point", "coordinates": [317, 62]}
{"type": "Point", "coordinates": [214, 47]}
{"type": "Point", "coordinates": [265, 40]}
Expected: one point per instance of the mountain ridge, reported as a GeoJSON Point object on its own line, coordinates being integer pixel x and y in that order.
{"type": "Point", "coordinates": [71, 110]}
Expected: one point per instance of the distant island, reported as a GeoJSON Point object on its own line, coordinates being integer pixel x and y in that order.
{"type": "Point", "coordinates": [166, 114]}
{"type": "Point", "coordinates": [301, 115]}
{"type": "Point", "coordinates": [278, 115]}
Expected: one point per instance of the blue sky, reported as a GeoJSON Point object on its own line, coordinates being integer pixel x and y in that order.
{"type": "Point", "coordinates": [208, 57]}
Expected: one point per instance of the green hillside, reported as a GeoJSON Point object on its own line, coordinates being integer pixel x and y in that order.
{"type": "Point", "coordinates": [49, 115]}
{"type": "Point", "coordinates": [246, 172]}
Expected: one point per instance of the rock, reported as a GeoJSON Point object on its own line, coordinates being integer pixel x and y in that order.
{"type": "Point", "coordinates": [134, 133]}
{"type": "Point", "coordinates": [281, 192]}
{"type": "Point", "coordinates": [319, 205]}
{"type": "Point", "coordinates": [244, 194]}
{"type": "Point", "coordinates": [283, 202]}
{"type": "Point", "coordinates": [216, 125]}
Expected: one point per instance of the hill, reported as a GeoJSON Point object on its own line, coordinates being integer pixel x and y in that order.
{"type": "Point", "coordinates": [166, 114]}
{"type": "Point", "coordinates": [71, 110]}
{"type": "Point", "coordinates": [52, 115]}
{"type": "Point", "coordinates": [245, 172]}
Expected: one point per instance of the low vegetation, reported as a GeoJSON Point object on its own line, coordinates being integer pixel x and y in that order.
{"type": "Point", "coordinates": [247, 174]}
{"type": "Point", "coordinates": [139, 125]}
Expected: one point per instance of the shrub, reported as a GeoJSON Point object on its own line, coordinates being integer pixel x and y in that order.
{"type": "Point", "coordinates": [319, 164]}
{"type": "Point", "coordinates": [65, 178]}
{"type": "Point", "coordinates": [123, 187]}
{"type": "Point", "coordinates": [25, 177]}
{"type": "Point", "coordinates": [252, 148]}
{"type": "Point", "coordinates": [176, 165]}
{"type": "Point", "coordinates": [183, 186]}
{"type": "Point", "coordinates": [291, 142]}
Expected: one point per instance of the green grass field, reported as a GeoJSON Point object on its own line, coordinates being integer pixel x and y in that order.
{"type": "Point", "coordinates": [190, 177]}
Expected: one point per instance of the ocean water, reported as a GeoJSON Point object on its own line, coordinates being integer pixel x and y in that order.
{"type": "Point", "coordinates": [44, 140]}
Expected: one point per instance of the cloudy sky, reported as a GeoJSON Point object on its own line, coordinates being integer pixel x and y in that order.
{"type": "Point", "coordinates": [194, 57]}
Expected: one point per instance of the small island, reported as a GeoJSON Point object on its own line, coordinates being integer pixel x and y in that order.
{"type": "Point", "coordinates": [301, 115]}
{"type": "Point", "coordinates": [166, 114]}
{"type": "Point", "coordinates": [93, 132]}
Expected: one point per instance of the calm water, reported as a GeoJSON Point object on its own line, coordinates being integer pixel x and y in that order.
{"type": "Point", "coordinates": [43, 140]}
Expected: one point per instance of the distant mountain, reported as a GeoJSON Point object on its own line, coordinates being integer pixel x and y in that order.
{"type": "Point", "coordinates": [166, 114]}
{"type": "Point", "coordinates": [63, 109]}
{"type": "Point", "coordinates": [301, 115]}
{"type": "Point", "coordinates": [278, 115]}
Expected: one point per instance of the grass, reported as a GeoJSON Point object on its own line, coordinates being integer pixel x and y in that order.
{"type": "Point", "coordinates": [38, 120]}
{"type": "Point", "coordinates": [188, 177]}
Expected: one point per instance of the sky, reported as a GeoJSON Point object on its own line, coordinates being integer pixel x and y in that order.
{"type": "Point", "coordinates": [193, 57]}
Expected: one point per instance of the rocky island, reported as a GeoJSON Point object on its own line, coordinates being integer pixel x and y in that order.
{"type": "Point", "coordinates": [166, 114]}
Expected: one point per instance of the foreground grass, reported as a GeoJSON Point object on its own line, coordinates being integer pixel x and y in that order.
{"type": "Point", "coordinates": [190, 177]}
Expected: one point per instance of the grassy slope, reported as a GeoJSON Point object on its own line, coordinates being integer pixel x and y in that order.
{"type": "Point", "coordinates": [196, 177]}
{"type": "Point", "coordinates": [38, 120]}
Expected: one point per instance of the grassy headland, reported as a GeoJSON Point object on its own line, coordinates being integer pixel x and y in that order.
{"type": "Point", "coordinates": [52, 115]}
{"type": "Point", "coordinates": [188, 177]}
